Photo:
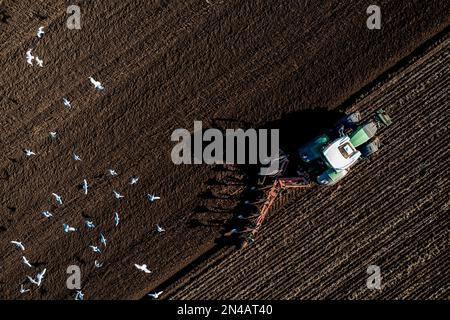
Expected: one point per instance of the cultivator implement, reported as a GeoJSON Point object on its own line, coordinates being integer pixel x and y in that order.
{"type": "Point", "coordinates": [278, 186]}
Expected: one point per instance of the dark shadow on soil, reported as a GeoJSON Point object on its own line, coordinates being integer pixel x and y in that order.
{"type": "Point", "coordinates": [295, 129]}
{"type": "Point", "coordinates": [4, 16]}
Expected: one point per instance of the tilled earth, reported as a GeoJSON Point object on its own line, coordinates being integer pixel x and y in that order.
{"type": "Point", "coordinates": [165, 64]}
{"type": "Point", "coordinates": [391, 212]}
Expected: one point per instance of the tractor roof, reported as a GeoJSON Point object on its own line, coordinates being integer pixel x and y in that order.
{"type": "Point", "coordinates": [341, 154]}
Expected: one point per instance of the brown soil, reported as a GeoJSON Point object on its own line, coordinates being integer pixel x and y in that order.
{"type": "Point", "coordinates": [164, 65]}
{"type": "Point", "coordinates": [390, 212]}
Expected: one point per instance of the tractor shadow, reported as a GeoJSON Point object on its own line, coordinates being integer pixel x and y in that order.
{"type": "Point", "coordinates": [229, 197]}
{"type": "Point", "coordinates": [237, 185]}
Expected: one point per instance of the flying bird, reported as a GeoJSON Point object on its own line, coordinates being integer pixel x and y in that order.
{"type": "Point", "coordinates": [103, 239]}
{"type": "Point", "coordinates": [85, 186]}
{"type": "Point", "coordinates": [39, 277]}
{"type": "Point", "coordinates": [152, 197]}
{"type": "Point", "coordinates": [76, 157]}
{"type": "Point", "coordinates": [57, 198]}
{"type": "Point", "coordinates": [19, 245]}
{"type": "Point", "coordinates": [95, 249]}
{"type": "Point", "coordinates": [89, 224]}
{"type": "Point", "coordinates": [68, 228]}
{"type": "Point", "coordinates": [29, 153]}
{"type": "Point", "coordinates": [26, 262]}
{"type": "Point", "coordinates": [53, 134]}
{"type": "Point", "coordinates": [98, 264]}
{"type": "Point", "coordinates": [29, 57]}
{"type": "Point", "coordinates": [155, 295]}
{"type": "Point", "coordinates": [134, 180]}
{"type": "Point", "coordinates": [160, 229]}
{"type": "Point", "coordinates": [113, 173]}
{"type": "Point", "coordinates": [117, 195]}
{"type": "Point", "coordinates": [96, 84]}
{"type": "Point", "coordinates": [22, 289]}
{"type": "Point", "coordinates": [79, 295]}
{"type": "Point", "coordinates": [39, 62]}
{"type": "Point", "coordinates": [143, 268]}
{"type": "Point", "coordinates": [116, 219]}
{"type": "Point", "coordinates": [67, 103]}
{"type": "Point", "coordinates": [47, 214]}
{"type": "Point", "coordinates": [40, 32]}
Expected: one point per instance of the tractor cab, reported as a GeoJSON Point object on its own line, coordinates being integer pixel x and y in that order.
{"type": "Point", "coordinates": [333, 156]}
{"type": "Point", "coordinates": [341, 154]}
{"type": "Point", "coordinates": [338, 156]}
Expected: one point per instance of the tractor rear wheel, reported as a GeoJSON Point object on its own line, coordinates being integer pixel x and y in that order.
{"type": "Point", "coordinates": [370, 147]}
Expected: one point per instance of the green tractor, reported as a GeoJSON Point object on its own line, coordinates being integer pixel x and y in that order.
{"type": "Point", "coordinates": [334, 153]}
{"type": "Point", "coordinates": [329, 157]}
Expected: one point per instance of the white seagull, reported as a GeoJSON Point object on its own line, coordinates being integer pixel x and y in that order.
{"type": "Point", "coordinates": [26, 262]}
{"type": "Point", "coordinates": [160, 229]}
{"type": "Point", "coordinates": [76, 157]}
{"type": "Point", "coordinates": [40, 32]}
{"type": "Point", "coordinates": [89, 224]}
{"type": "Point", "coordinates": [39, 62]}
{"type": "Point", "coordinates": [85, 186]}
{"type": "Point", "coordinates": [98, 264]}
{"type": "Point", "coordinates": [134, 180]}
{"type": "Point", "coordinates": [29, 153]}
{"type": "Point", "coordinates": [68, 228]}
{"type": "Point", "coordinates": [67, 103]}
{"type": "Point", "coordinates": [152, 197]}
{"type": "Point", "coordinates": [143, 268]}
{"type": "Point", "coordinates": [96, 84]}
{"type": "Point", "coordinates": [113, 173]}
{"type": "Point", "coordinates": [117, 195]}
{"type": "Point", "coordinates": [116, 219]}
{"type": "Point", "coordinates": [155, 295]}
{"type": "Point", "coordinates": [47, 214]}
{"type": "Point", "coordinates": [29, 57]}
{"type": "Point", "coordinates": [19, 245]}
{"type": "Point", "coordinates": [22, 289]}
{"type": "Point", "coordinates": [79, 295]}
{"type": "Point", "coordinates": [57, 198]}
{"type": "Point", "coordinates": [39, 278]}
{"type": "Point", "coordinates": [53, 134]}
{"type": "Point", "coordinates": [103, 239]}
{"type": "Point", "coordinates": [95, 249]}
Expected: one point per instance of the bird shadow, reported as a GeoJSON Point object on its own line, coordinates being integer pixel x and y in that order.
{"type": "Point", "coordinates": [4, 16]}
{"type": "Point", "coordinates": [40, 15]}
{"type": "Point", "coordinates": [5, 175]}
{"type": "Point", "coordinates": [38, 264]}
{"type": "Point", "coordinates": [79, 259]}
{"type": "Point", "coordinates": [163, 3]}
{"type": "Point", "coordinates": [86, 216]}
{"type": "Point", "coordinates": [12, 209]}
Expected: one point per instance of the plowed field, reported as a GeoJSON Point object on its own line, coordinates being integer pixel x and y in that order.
{"type": "Point", "coordinates": [167, 63]}
{"type": "Point", "coordinates": [392, 211]}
